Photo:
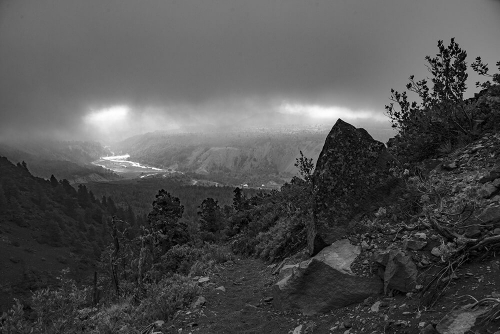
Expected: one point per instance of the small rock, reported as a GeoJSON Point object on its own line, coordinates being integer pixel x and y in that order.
{"type": "Point", "coordinates": [14, 260]}
{"type": "Point", "coordinates": [368, 301]}
{"type": "Point", "coordinates": [401, 323]}
{"type": "Point", "coordinates": [436, 252]}
{"type": "Point", "coordinates": [247, 305]}
{"type": "Point", "coordinates": [384, 304]}
{"type": "Point", "coordinates": [421, 235]}
{"type": "Point", "coordinates": [199, 302]}
{"type": "Point", "coordinates": [268, 299]}
{"type": "Point", "coordinates": [496, 231]}
{"type": "Point", "coordinates": [429, 329]}
{"type": "Point", "coordinates": [414, 244]}
{"type": "Point", "coordinates": [221, 288]}
{"type": "Point", "coordinates": [365, 246]}
{"type": "Point", "coordinates": [449, 165]}
{"type": "Point", "coordinates": [298, 329]}
{"type": "Point", "coordinates": [487, 190]}
{"type": "Point", "coordinates": [203, 279]}
{"type": "Point", "coordinates": [347, 324]}
{"type": "Point", "coordinates": [375, 307]}
{"type": "Point", "coordinates": [489, 215]}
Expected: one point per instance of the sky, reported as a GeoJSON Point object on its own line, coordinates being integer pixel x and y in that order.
{"type": "Point", "coordinates": [108, 69]}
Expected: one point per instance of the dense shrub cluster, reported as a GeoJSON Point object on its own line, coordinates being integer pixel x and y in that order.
{"type": "Point", "coordinates": [273, 226]}
{"type": "Point", "coordinates": [443, 119]}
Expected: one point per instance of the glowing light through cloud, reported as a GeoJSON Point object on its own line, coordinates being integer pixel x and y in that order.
{"type": "Point", "coordinates": [121, 121]}
{"type": "Point", "coordinates": [315, 111]}
{"type": "Point", "coordinates": [107, 116]}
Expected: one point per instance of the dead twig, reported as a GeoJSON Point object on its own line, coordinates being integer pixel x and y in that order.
{"type": "Point", "coordinates": [444, 231]}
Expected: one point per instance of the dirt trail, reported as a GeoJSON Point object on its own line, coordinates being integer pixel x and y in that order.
{"type": "Point", "coordinates": [245, 307]}
{"type": "Point", "coordinates": [242, 308]}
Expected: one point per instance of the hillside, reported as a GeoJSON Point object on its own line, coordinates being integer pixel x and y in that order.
{"type": "Point", "coordinates": [65, 160]}
{"type": "Point", "coordinates": [243, 155]}
{"type": "Point", "coordinates": [46, 226]}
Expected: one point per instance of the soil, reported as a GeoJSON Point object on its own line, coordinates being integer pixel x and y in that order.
{"type": "Point", "coordinates": [245, 306]}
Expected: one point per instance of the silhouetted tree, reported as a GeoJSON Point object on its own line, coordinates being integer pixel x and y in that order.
{"type": "Point", "coordinates": [3, 199]}
{"type": "Point", "coordinates": [305, 166]}
{"type": "Point", "coordinates": [92, 197]}
{"type": "Point", "coordinates": [83, 196]}
{"type": "Point", "coordinates": [238, 199]}
{"type": "Point", "coordinates": [210, 215]}
{"type": "Point", "coordinates": [53, 181]}
{"type": "Point", "coordinates": [164, 222]}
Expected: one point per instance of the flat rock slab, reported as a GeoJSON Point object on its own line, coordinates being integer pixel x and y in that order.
{"type": "Point", "coordinates": [324, 282]}
{"type": "Point", "coordinates": [315, 287]}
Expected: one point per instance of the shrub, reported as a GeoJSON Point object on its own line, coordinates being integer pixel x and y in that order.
{"type": "Point", "coordinates": [57, 310]}
{"type": "Point", "coordinates": [443, 117]}
{"type": "Point", "coordinates": [164, 298]}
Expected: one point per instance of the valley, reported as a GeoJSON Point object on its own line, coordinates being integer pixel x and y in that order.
{"type": "Point", "coordinates": [130, 169]}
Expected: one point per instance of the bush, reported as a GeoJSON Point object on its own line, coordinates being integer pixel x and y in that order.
{"type": "Point", "coordinates": [285, 238]}
{"type": "Point", "coordinates": [443, 118]}
{"type": "Point", "coordinates": [164, 298]}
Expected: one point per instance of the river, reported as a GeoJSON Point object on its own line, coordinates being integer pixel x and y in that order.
{"type": "Point", "coordinates": [126, 168]}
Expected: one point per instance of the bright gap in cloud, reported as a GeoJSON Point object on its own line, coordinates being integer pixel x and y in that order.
{"type": "Point", "coordinates": [121, 121]}
{"type": "Point", "coordinates": [107, 116]}
{"type": "Point", "coordinates": [315, 111]}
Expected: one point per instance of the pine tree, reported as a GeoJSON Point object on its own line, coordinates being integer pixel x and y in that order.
{"type": "Point", "coordinates": [53, 181]}
{"type": "Point", "coordinates": [3, 199]}
{"type": "Point", "coordinates": [164, 222]}
{"type": "Point", "coordinates": [210, 215]}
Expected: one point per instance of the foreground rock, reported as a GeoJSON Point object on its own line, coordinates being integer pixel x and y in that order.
{"type": "Point", "coordinates": [325, 282]}
{"type": "Point", "coordinates": [397, 270]}
{"type": "Point", "coordinates": [350, 176]}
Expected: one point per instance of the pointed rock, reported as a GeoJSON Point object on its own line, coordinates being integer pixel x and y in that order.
{"type": "Point", "coordinates": [350, 178]}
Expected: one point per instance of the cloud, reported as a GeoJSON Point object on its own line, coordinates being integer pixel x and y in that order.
{"type": "Point", "coordinates": [320, 112]}
{"type": "Point", "coordinates": [216, 63]}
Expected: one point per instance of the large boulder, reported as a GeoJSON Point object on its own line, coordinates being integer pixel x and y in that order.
{"type": "Point", "coordinates": [351, 176]}
{"type": "Point", "coordinates": [324, 282]}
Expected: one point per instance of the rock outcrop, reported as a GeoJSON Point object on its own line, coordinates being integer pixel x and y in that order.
{"type": "Point", "coordinates": [325, 282]}
{"type": "Point", "coordinates": [351, 175]}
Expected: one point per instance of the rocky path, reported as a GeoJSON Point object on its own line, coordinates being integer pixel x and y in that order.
{"type": "Point", "coordinates": [244, 305]}
{"type": "Point", "coordinates": [237, 300]}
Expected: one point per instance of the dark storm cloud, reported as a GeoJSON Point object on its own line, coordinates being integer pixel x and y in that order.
{"type": "Point", "coordinates": [219, 61]}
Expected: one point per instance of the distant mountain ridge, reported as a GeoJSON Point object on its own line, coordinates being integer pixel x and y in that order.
{"type": "Point", "coordinates": [247, 152]}
{"type": "Point", "coordinates": [69, 160]}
